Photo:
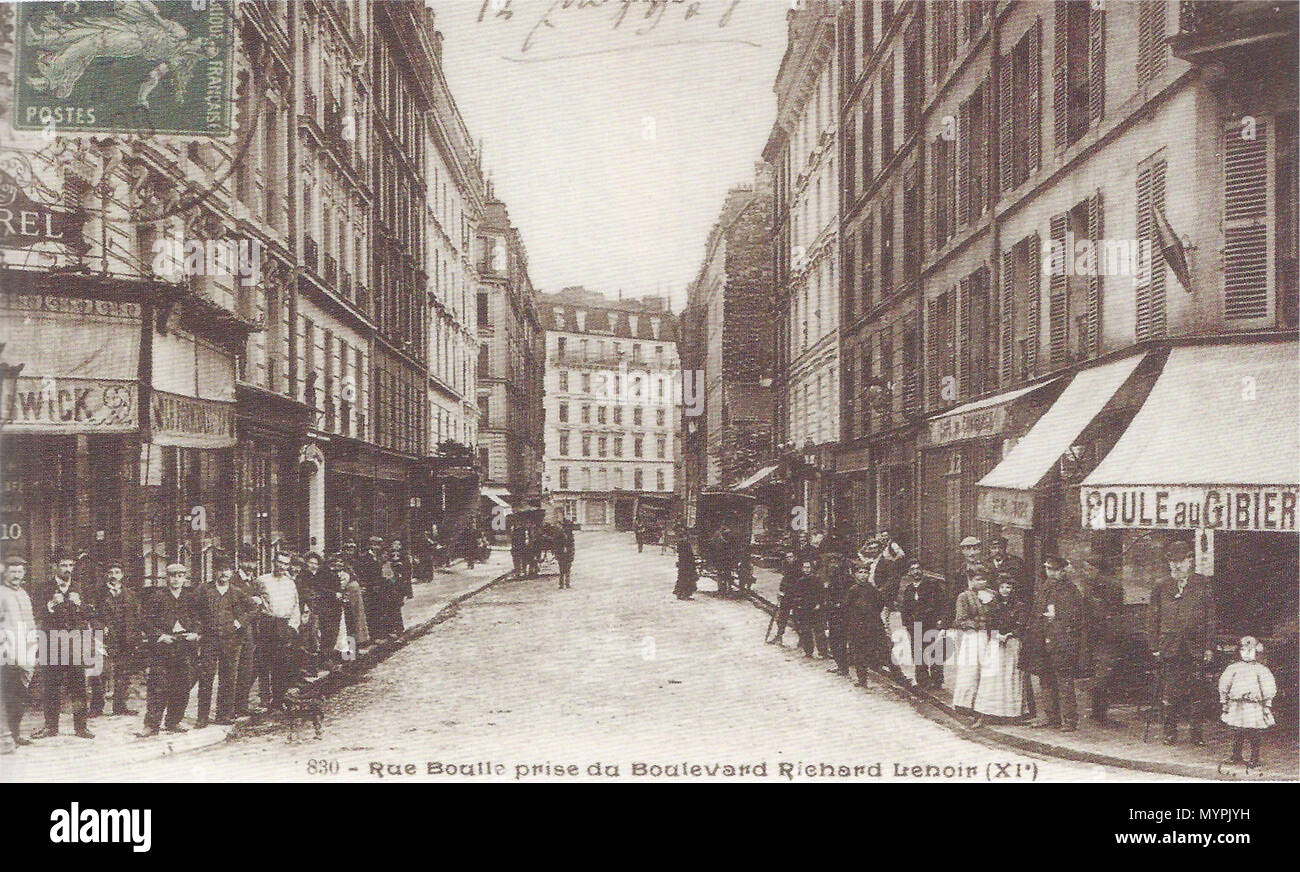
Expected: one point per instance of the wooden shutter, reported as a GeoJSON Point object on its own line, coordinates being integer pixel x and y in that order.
{"type": "Point", "coordinates": [1152, 53]}
{"type": "Point", "coordinates": [1096, 63]}
{"type": "Point", "coordinates": [1245, 222]}
{"type": "Point", "coordinates": [933, 343]}
{"type": "Point", "coordinates": [963, 333]}
{"type": "Point", "coordinates": [1093, 341]}
{"type": "Point", "coordinates": [964, 160]}
{"type": "Point", "coordinates": [1060, 75]}
{"type": "Point", "coordinates": [1031, 105]}
{"type": "Point", "coordinates": [1150, 310]}
{"type": "Point", "coordinates": [1033, 289]}
{"type": "Point", "coordinates": [951, 313]}
{"type": "Point", "coordinates": [1006, 122]}
{"type": "Point", "coordinates": [1008, 316]}
{"type": "Point", "coordinates": [1058, 295]}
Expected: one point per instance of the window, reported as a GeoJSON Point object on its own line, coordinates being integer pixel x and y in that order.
{"type": "Point", "coordinates": [943, 183]}
{"type": "Point", "coordinates": [483, 411]}
{"type": "Point", "coordinates": [564, 478]}
{"type": "Point", "coordinates": [559, 343]}
{"type": "Point", "coordinates": [586, 413]}
{"type": "Point", "coordinates": [1150, 201]}
{"type": "Point", "coordinates": [850, 278]}
{"type": "Point", "coordinates": [600, 414]}
{"type": "Point", "coordinates": [849, 60]}
{"type": "Point", "coordinates": [886, 247]}
{"type": "Point", "coordinates": [973, 156]}
{"type": "Point", "coordinates": [659, 479]}
{"type": "Point", "coordinates": [661, 416]}
{"type": "Point", "coordinates": [942, 347]}
{"type": "Point", "coordinates": [602, 445]}
{"type": "Point", "coordinates": [1019, 306]}
{"type": "Point", "coordinates": [636, 416]}
{"type": "Point", "coordinates": [1078, 70]}
{"type": "Point", "coordinates": [586, 382]}
{"type": "Point", "coordinates": [637, 479]}
{"type": "Point", "coordinates": [564, 412]}
{"type": "Point", "coordinates": [618, 414]}
{"type": "Point", "coordinates": [868, 138]}
{"type": "Point", "coordinates": [661, 447]}
{"type": "Point", "coordinates": [887, 109]}
{"type": "Point", "coordinates": [1153, 53]}
{"type": "Point", "coordinates": [868, 278]}
{"type": "Point", "coordinates": [850, 160]}
{"type": "Point", "coordinates": [945, 38]}
{"type": "Point", "coordinates": [564, 443]}
{"type": "Point", "coordinates": [913, 76]}
{"type": "Point", "coordinates": [1074, 295]}
{"type": "Point", "coordinates": [586, 444]}
{"type": "Point", "coordinates": [638, 446]}
{"type": "Point", "coordinates": [483, 311]}
{"type": "Point", "coordinates": [912, 210]}
{"type": "Point", "coordinates": [618, 445]}
{"type": "Point", "coordinates": [564, 379]}
{"type": "Point", "coordinates": [979, 341]}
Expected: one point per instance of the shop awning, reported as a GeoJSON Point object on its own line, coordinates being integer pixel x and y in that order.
{"type": "Point", "coordinates": [1215, 445]}
{"type": "Point", "coordinates": [1006, 493]}
{"type": "Point", "coordinates": [986, 417]}
{"type": "Point", "coordinates": [496, 495]}
{"type": "Point", "coordinates": [762, 475]}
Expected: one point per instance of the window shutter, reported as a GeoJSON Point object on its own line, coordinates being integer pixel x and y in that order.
{"type": "Point", "coordinates": [1093, 341]}
{"type": "Point", "coordinates": [1008, 316]}
{"type": "Point", "coordinates": [1150, 310]}
{"type": "Point", "coordinates": [1006, 123]}
{"type": "Point", "coordinates": [934, 335]}
{"type": "Point", "coordinates": [1096, 64]}
{"type": "Point", "coordinates": [1152, 53]}
{"type": "Point", "coordinates": [1060, 75]}
{"type": "Point", "coordinates": [1245, 223]}
{"type": "Point", "coordinates": [963, 333]}
{"type": "Point", "coordinates": [964, 159]}
{"type": "Point", "coordinates": [1032, 129]}
{"type": "Point", "coordinates": [1032, 304]}
{"type": "Point", "coordinates": [950, 316]}
{"type": "Point", "coordinates": [1058, 295]}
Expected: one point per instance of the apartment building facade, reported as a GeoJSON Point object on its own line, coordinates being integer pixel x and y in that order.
{"type": "Point", "coordinates": [510, 363]}
{"type": "Point", "coordinates": [611, 404]}
{"type": "Point", "coordinates": [1095, 206]}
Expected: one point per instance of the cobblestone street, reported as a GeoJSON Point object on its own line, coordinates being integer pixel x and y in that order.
{"type": "Point", "coordinates": [613, 671]}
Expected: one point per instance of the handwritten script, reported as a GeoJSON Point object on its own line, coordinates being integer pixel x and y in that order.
{"type": "Point", "coordinates": [634, 19]}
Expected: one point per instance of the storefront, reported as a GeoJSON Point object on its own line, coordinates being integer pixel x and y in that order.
{"type": "Point", "coordinates": [1213, 457]}
{"type": "Point", "coordinates": [958, 448]}
{"type": "Point", "coordinates": [854, 494]}
{"type": "Point", "coordinates": [893, 488]}
{"type": "Point", "coordinates": [367, 493]}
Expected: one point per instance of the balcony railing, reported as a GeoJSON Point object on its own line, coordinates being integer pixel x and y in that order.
{"type": "Point", "coordinates": [331, 270]}
{"type": "Point", "coordinates": [309, 252]}
{"type": "Point", "coordinates": [345, 284]}
{"type": "Point", "coordinates": [1228, 30]}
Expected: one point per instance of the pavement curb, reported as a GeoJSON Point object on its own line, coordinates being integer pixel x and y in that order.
{"type": "Point", "coordinates": [944, 715]}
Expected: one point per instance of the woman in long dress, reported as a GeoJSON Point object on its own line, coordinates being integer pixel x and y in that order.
{"type": "Point", "coordinates": [687, 574]}
{"type": "Point", "coordinates": [972, 625]}
{"type": "Point", "coordinates": [1001, 686]}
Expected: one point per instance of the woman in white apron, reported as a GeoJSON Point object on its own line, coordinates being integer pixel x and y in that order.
{"type": "Point", "coordinates": [971, 626]}
{"type": "Point", "coordinates": [1001, 684]}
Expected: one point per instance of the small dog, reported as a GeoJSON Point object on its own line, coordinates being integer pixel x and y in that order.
{"type": "Point", "coordinates": [299, 710]}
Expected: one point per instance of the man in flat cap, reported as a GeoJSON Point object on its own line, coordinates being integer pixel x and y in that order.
{"type": "Point", "coordinates": [227, 612]}
{"type": "Point", "coordinates": [1057, 644]}
{"type": "Point", "coordinates": [173, 621]}
{"type": "Point", "coordinates": [1180, 631]}
{"type": "Point", "coordinates": [117, 617]}
{"type": "Point", "coordinates": [63, 609]}
{"type": "Point", "coordinates": [17, 651]}
{"type": "Point", "coordinates": [920, 606]}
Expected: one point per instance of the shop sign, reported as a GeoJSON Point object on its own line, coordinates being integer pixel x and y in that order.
{"type": "Point", "coordinates": [24, 222]}
{"type": "Point", "coordinates": [190, 422]}
{"type": "Point", "coordinates": [71, 405]}
{"type": "Point", "coordinates": [975, 424]}
{"type": "Point", "coordinates": [854, 461]}
{"type": "Point", "coordinates": [1229, 507]}
{"type": "Point", "coordinates": [1013, 508]}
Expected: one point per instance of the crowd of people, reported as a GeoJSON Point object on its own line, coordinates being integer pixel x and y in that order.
{"type": "Point", "coordinates": [997, 627]}
{"type": "Point", "coordinates": [242, 628]}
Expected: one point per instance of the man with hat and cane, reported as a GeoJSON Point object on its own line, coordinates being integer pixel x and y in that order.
{"type": "Point", "coordinates": [920, 607]}
{"type": "Point", "coordinates": [1180, 631]}
{"type": "Point", "coordinates": [173, 620]}
{"type": "Point", "coordinates": [117, 617]}
{"type": "Point", "coordinates": [62, 609]}
{"type": "Point", "coordinates": [18, 646]}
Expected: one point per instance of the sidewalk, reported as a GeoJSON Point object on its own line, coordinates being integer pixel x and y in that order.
{"type": "Point", "coordinates": [115, 741]}
{"type": "Point", "coordinates": [1122, 745]}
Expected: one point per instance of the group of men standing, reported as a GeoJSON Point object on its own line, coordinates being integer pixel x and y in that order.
{"type": "Point", "coordinates": [239, 629]}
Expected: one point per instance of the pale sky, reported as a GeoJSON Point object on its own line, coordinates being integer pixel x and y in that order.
{"type": "Point", "coordinates": [614, 147]}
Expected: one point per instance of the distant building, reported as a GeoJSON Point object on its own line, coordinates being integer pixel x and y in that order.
{"type": "Point", "coordinates": [612, 391]}
{"type": "Point", "coordinates": [727, 342]}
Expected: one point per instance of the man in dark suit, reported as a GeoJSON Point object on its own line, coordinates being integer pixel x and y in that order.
{"type": "Point", "coordinates": [64, 614]}
{"type": "Point", "coordinates": [369, 574]}
{"type": "Point", "coordinates": [1000, 560]}
{"type": "Point", "coordinates": [173, 620]}
{"type": "Point", "coordinates": [246, 665]}
{"type": "Point", "coordinates": [1180, 631]}
{"type": "Point", "coordinates": [920, 606]}
{"type": "Point", "coordinates": [227, 611]}
{"type": "Point", "coordinates": [117, 617]}
{"type": "Point", "coordinates": [1058, 644]}
{"type": "Point", "coordinates": [1105, 599]}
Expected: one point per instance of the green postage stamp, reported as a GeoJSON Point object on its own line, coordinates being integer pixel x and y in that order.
{"type": "Point", "coordinates": [126, 66]}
